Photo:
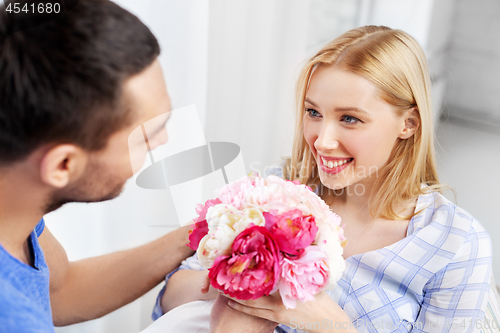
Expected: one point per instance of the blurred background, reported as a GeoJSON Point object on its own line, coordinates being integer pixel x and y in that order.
{"type": "Point", "coordinates": [237, 61]}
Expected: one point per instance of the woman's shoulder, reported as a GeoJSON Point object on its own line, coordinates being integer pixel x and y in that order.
{"type": "Point", "coordinates": [435, 207]}
{"type": "Point", "coordinates": [442, 223]}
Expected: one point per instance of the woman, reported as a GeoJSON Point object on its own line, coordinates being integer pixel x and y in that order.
{"type": "Point", "coordinates": [364, 142]}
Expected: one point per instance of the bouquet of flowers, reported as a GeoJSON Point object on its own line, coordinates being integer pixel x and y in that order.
{"type": "Point", "coordinates": [262, 235]}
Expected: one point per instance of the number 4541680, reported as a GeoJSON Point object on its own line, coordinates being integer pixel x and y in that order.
{"type": "Point", "coordinates": [39, 8]}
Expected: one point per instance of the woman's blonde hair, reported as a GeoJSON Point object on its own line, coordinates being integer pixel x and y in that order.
{"type": "Point", "coordinates": [396, 64]}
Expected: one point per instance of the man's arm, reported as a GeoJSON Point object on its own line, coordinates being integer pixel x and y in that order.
{"type": "Point", "coordinates": [90, 288]}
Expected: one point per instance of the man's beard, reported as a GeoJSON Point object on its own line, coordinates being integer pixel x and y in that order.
{"type": "Point", "coordinates": [96, 184]}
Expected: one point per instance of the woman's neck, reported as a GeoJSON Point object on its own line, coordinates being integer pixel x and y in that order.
{"type": "Point", "coordinates": [353, 203]}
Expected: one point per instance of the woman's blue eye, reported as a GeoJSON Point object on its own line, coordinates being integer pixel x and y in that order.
{"type": "Point", "coordinates": [350, 119]}
{"type": "Point", "coordinates": [313, 113]}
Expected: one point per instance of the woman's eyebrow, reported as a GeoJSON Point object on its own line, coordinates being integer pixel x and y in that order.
{"type": "Point", "coordinates": [340, 109]}
{"type": "Point", "coordinates": [310, 102]}
{"type": "Point", "coordinates": [343, 109]}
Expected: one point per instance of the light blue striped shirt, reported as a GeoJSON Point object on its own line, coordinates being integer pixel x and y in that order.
{"type": "Point", "coordinates": [434, 280]}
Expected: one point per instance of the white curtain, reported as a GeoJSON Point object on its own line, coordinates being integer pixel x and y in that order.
{"type": "Point", "coordinates": [254, 52]}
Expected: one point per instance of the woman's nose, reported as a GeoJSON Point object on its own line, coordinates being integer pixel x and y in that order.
{"type": "Point", "coordinates": [326, 140]}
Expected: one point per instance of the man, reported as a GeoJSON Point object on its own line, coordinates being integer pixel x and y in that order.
{"type": "Point", "coordinates": [71, 92]}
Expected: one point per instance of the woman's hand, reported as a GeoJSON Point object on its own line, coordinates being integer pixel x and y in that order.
{"type": "Point", "coordinates": [223, 319]}
{"type": "Point", "coordinates": [322, 310]}
{"type": "Point", "coordinates": [187, 286]}
{"type": "Point", "coordinates": [207, 289]}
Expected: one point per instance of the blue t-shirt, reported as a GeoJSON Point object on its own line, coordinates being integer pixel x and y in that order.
{"type": "Point", "coordinates": [24, 291]}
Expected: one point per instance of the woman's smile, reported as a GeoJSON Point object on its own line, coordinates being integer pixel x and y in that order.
{"type": "Point", "coordinates": [333, 165]}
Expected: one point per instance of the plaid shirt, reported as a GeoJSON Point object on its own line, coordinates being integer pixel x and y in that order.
{"type": "Point", "coordinates": [434, 280]}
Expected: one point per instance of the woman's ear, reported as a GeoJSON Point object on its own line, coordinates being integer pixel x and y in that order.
{"type": "Point", "coordinates": [411, 123]}
{"type": "Point", "coordinates": [62, 164]}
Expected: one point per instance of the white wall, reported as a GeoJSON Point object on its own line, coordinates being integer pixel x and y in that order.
{"type": "Point", "coordinates": [473, 64]}
{"type": "Point", "coordinates": [471, 130]}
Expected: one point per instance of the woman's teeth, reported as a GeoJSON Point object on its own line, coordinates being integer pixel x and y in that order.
{"type": "Point", "coordinates": [335, 164]}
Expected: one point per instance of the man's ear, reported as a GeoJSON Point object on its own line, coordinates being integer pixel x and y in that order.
{"type": "Point", "coordinates": [62, 164]}
{"type": "Point", "coordinates": [411, 123]}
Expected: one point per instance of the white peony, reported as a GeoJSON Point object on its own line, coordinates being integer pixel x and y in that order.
{"type": "Point", "coordinates": [328, 239]}
{"type": "Point", "coordinates": [225, 222]}
{"type": "Point", "coordinates": [216, 243]}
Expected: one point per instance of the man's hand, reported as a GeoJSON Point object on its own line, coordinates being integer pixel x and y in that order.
{"type": "Point", "coordinates": [223, 319]}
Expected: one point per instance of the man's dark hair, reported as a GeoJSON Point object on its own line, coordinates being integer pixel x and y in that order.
{"type": "Point", "coordinates": [61, 82]}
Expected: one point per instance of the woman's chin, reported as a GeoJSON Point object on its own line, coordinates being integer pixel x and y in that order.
{"type": "Point", "coordinates": [332, 183]}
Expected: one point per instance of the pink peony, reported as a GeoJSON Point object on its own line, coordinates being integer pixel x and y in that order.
{"type": "Point", "coordinates": [201, 210]}
{"type": "Point", "coordinates": [292, 231]}
{"type": "Point", "coordinates": [235, 193]}
{"type": "Point", "coordinates": [252, 270]}
{"type": "Point", "coordinates": [304, 277]}
{"type": "Point", "coordinates": [200, 229]}
{"type": "Point", "coordinates": [200, 226]}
